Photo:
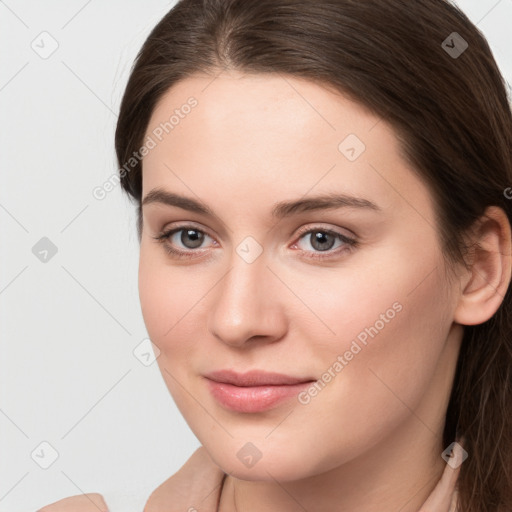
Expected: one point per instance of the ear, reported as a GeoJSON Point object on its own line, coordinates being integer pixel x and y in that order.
{"type": "Point", "coordinates": [485, 283]}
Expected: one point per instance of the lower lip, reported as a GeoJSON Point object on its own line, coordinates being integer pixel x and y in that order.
{"type": "Point", "coordinates": [253, 398]}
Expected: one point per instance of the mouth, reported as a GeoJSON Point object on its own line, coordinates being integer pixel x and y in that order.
{"type": "Point", "coordinates": [254, 391]}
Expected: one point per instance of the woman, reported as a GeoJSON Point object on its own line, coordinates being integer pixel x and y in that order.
{"type": "Point", "coordinates": [323, 191]}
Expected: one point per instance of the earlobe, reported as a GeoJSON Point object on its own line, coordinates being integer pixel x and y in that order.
{"type": "Point", "coordinates": [490, 272]}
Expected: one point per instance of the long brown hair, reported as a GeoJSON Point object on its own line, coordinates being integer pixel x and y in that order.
{"type": "Point", "coordinates": [446, 100]}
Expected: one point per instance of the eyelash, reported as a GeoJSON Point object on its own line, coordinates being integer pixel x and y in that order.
{"type": "Point", "coordinates": [350, 243]}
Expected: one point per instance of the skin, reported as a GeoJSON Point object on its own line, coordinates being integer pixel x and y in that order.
{"type": "Point", "coordinates": [80, 503]}
{"type": "Point", "coordinates": [371, 440]}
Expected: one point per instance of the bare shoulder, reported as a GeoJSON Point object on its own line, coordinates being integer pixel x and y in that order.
{"type": "Point", "coordinates": [198, 481]}
{"type": "Point", "coordinates": [91, 502]}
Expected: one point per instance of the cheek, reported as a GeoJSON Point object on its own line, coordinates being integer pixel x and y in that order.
{"type": "Point", "coordinates": [377, 384]}
{"type": "Point", "coordinates": [154, 293]}
{"type": "Point", "coordinates": [164, 303]}
{"type": "Point", "coordinates": [390, 313]}
{"type": "Point", "coordinates": [391, 328]}
{"type": "Point", "coordinates": [174, 304]}
{"type": "Point", "coordinates": [162, 295]}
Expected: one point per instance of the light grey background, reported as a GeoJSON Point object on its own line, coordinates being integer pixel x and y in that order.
{"type": "Point", "coordinates": [69, 325]}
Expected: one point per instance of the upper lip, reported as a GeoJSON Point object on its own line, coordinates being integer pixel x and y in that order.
{"type": "Point", "coordinates": [255, 378]}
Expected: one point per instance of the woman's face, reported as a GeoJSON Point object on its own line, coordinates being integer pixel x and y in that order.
{"type": "Point", "coordinates": [263, 285]}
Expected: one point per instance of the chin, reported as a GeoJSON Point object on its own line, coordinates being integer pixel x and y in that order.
{"type": "Point", "coordinates": [262, 462]}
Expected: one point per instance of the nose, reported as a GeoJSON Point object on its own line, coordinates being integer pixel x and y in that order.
{"type": "Point", "coordinates": [246, 305]}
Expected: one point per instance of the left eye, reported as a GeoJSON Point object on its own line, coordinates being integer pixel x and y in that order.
{"type": "Point", "coordinates": [323, 240]}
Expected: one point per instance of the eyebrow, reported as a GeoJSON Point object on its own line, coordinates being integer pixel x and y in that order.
{"type": "Point", "coordinates": [280, 210]}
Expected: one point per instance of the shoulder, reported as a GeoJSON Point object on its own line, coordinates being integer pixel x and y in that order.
{"type": "Point", "coordinates": [197, 485]}
{"type": "Point", "coordinates": [91, 502]}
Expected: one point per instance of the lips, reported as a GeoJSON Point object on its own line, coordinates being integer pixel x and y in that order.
{"type": "Point", "coordinates": [254, 391]}
{"type": "Point", "coordinates": [255, 378]}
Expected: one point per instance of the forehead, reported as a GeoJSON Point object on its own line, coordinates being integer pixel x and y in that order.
{"type": "Point", "coordinates": [238, 107]}
{"type": "Point", "coordinates": [272, 135]}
